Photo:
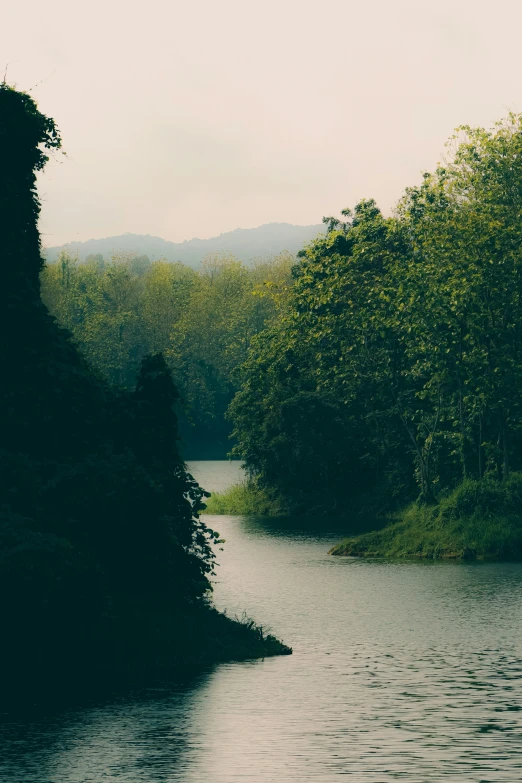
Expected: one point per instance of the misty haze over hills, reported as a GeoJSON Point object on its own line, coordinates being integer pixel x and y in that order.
{"type": "Point", "coordinates": [246, 244]}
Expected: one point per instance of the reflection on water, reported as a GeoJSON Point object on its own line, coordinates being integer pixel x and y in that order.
{"type": "Point", "coordinates": [401, 671]}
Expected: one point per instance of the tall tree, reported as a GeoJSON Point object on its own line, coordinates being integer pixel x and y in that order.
{"type": "Point", "coordinates": [412, 326]}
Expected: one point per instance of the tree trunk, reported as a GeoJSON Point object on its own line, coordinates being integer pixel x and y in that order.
{"type": "Point", "coordinates": [462, 433]}
{"type": "Point", "coordinates": [480, 466]}
{"type": "Point", "coordinates": [505, 452]}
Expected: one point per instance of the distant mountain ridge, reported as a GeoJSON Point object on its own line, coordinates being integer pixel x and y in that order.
{"type": "Point", "coordinates": [245, 244]}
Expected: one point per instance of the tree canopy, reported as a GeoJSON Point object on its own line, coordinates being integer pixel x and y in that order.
{"type": "Point", "coordinates": [122, 308]}
{"type": "Point", "coordinates": [395, 367]}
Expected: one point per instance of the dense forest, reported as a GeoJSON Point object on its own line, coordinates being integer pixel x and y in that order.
{"type": "Point", "coordinates": [380, 368]}
{"type": "Point", "coordinates": [122, 308]}
{"type": "Point", "coordinates": [394, 372]}
{"type": "Point", "coordinates": [104, 561]}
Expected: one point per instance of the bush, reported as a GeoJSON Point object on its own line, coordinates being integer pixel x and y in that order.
{"type": "Point", "coordinates": [478, 520]}
{"type": "Point", "coordinates": [246, 498]}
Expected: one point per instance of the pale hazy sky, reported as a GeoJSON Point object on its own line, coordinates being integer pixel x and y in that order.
{"type": "Point", "coordinates": [185, 119]}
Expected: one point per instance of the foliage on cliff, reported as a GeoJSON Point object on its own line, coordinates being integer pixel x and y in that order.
{"type": "Point", "coordinates": [97, 510]}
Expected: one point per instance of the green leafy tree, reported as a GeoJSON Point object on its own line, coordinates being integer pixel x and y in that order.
{"type": "Point", "coordinates": [124, 308]}
{"type": "Point", "coordinates": [411, 325]}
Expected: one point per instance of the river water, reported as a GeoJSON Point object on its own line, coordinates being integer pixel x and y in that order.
{"type": "Point", "coordinates": [400, 672]}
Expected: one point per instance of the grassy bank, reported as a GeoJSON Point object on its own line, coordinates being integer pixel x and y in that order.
{"type": "Point", "coordinates": [478, 520]}
{"type": "Point", "coordinates": [245, 498]}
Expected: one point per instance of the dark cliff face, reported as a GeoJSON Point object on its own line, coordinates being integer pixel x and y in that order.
{"type": "Point", "coordinates": [94, 497]}
{"type": "Point", "coordinates": [48, 397]}
{"type": "Point", "coordinates": [25, 136]}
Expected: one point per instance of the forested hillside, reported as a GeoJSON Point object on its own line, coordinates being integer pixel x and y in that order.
{"type": "Point", "coordinates": [123, 308]}
{"type": "Point", "coordinates": [380, 368]}
{"type": "Point", "coordinates": [395, 371]}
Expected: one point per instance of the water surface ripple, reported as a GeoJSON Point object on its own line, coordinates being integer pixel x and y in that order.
{"type": "Point", "coordinates": [400, 671]}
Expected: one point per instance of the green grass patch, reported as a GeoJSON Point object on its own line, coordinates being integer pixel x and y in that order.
{"type": "Point", "coordinates": [245, 499]}
{"type": "Point", "coordinates": [478, 520]}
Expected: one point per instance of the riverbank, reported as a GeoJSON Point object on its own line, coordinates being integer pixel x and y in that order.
{"type": "Point", "coordinates": [245, 499]}
{"type": "Point", "coordinates": [479, 520]}
{"type": "Point", "coordinates": [374, 645]}
{"type": "Point", "coordinates": [136, 641]}
{"type": "Point", "coordinates": [153, 637]}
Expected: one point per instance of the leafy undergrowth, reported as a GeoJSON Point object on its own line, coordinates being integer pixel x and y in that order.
{"type": "Point", "coordinates": [478, 520]}
{"type": "Point", "coordinates": [246, 499]}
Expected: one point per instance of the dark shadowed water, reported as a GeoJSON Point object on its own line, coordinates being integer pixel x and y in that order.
{"type": "Point", "coordinates": [400, 672]}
